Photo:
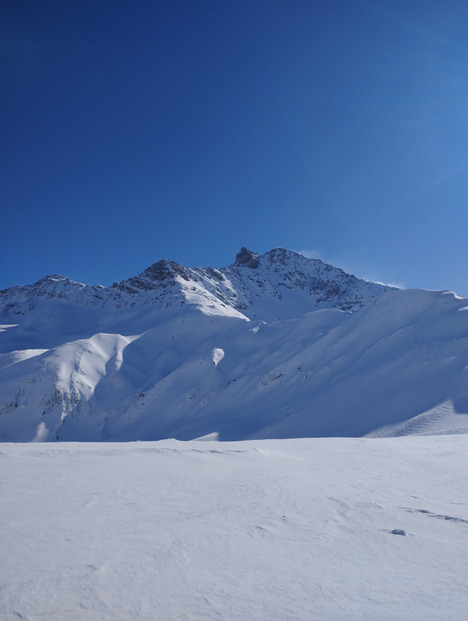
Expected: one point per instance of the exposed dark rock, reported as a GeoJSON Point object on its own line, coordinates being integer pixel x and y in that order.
{"type": "Point", "coordinates": [165, 270]}
{"type": "Point", "coordinates": [247, 258]}
{"type": "Point", "coordinates": [212, 271]}
{"type": "Point", "coordinates": [276, 272]}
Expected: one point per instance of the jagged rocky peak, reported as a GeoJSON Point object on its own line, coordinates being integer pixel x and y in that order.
{"type": "Point", "coordinates": [50, 278]}
{"type": "Point", "coordinates": [277, 257]}
{"type": "Point", "coordinates": [281, 256]}
{"type": "Point", "coordinates": [296, 261]}
{"type": "Point", "coordinates": [164, 270]}
{"type": "Point", "coordinates": [247, 258]}
{"type": "Point", "coordinates": [158, 276]}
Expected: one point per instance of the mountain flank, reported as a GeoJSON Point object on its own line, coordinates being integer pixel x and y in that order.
{"type": "Point", "coordinates": [275, 345]}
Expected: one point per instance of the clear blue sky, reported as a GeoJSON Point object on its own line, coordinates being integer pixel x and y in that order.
{"type": "Point", "coordinates": [134, 131]}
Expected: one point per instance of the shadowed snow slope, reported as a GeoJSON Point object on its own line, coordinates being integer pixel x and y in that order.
{"type": "Point", "coordinates": [267, 530]}
{"type": "Point", "coordinates": [274, 346]}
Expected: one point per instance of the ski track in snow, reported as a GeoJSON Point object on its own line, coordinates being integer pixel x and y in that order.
{"type": "Point", "coordinates": [265, 530]}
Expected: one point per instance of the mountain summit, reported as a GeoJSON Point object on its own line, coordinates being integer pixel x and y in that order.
{"type": "Point", "coordinates": [274, 345]}
{"type": "Point", "coordinates": [247, 258]}
{"type": "Point", "coordinates": [279, 284]}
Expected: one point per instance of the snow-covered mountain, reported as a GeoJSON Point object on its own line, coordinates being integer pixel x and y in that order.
{"type": "Point", "coordinates": [275, 345]}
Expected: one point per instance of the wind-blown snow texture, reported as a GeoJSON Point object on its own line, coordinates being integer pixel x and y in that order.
{"type": "Point", "coordinates": [274, 346]}
{"type": "Point", "coordinates": [268, 530]}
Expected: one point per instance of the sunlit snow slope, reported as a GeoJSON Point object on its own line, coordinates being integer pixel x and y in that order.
{"type": "Point", "coordinates": [322, 529]}
{"type": "Point", "coordinates": [273, 346]}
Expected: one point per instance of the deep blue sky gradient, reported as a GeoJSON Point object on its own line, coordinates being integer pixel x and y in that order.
{"type": "Point", "coordinates": [134, 131]}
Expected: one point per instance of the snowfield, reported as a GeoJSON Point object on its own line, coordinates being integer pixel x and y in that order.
{"type": "Point", "coordinates": [304, 529]}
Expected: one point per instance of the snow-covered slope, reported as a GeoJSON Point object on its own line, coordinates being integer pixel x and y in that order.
{"type": "Point", "coordinates": [275, 345]}
{"type": "Point", "coordinates": [267, 530]}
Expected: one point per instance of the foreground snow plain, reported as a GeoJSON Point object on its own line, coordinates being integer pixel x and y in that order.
{"type": "Point", "coordinates": [303, 529]}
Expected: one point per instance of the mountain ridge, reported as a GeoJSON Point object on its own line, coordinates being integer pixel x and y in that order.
{"type": "Point", "coordinates": [274, 345]}
{"type": "Point", "coordinates": [235, 286]}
